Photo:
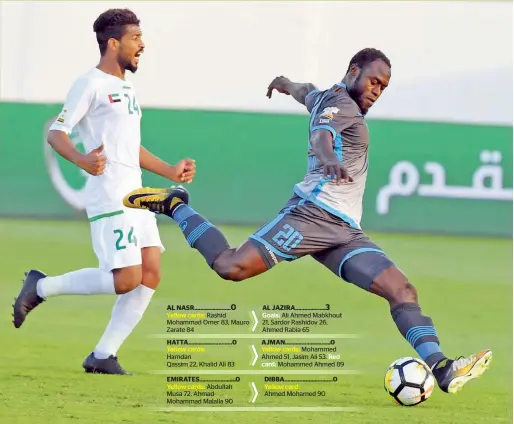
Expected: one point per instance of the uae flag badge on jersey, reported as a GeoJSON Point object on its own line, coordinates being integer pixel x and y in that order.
{"type": "Point", "coordinates": [114, 98]}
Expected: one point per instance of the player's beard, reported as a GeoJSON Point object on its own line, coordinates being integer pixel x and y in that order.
{"type": "Point", "coordinates": [356, 94]}
{"type": "Point", "coordinates": [127, 64]}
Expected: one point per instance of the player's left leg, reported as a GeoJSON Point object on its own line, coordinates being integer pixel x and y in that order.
{"type": "Point", "coordinates": [364, 264]}
{"type": "Point", "coordinates": [130, 307]}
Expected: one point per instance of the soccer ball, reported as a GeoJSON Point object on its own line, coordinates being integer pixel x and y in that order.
{"type": "Point", "coordinates": [409, 381]}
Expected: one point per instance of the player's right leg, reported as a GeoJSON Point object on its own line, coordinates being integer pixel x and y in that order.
{"type": "Point", "coordinates": [364, 264]}
{"type": "Point", "coordinates": [229, 263]}
{"type": "Point", "coordinates": [287, 237]}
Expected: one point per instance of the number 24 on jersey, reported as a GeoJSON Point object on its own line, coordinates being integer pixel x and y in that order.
{"type": "Point", "coordinates": [132, 105]}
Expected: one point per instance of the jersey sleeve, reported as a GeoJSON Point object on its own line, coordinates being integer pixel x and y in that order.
{"type": "Point", "coordinates": [78, 102]}
{"type": "Point", "coordinates": [333, 116]}
{"type": "Point", "coordinates": [310, 99]}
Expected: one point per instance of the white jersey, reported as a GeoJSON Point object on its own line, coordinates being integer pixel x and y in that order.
{"type": "Point", "coordinates": [103, 109]}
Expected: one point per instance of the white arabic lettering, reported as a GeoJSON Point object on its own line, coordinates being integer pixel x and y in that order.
{"type": "Point", "coordinates": [404, 181]}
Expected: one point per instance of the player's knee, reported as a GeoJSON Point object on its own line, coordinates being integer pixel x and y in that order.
{"type": "Point", "coordinates": [126, 285]}
{"type": "Point", "coordinates": [393, 285]}
{"type": "Point", "coordinates": [231, 273]}
{"type": "Point", "coordinates": [405, 294]}
{"type": "Point", "coordinates": [228, 269]}
{"type": "Point", "coordinates": [151, 278]}
{"type": "Point", "coordinates": [127, 279]}
{"type": "Point", "coordinates": [239, 264]}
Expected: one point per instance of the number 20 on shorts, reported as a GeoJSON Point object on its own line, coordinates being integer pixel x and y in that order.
{"type": "Point", "coordinates": [288, 238]}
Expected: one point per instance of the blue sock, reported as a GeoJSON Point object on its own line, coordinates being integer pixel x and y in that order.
{"type": "Point", "coordinates": [200, 233]}
{"type": "Point", "coordinates": [419, 331]}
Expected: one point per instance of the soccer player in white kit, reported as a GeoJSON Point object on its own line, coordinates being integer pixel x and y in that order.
{"type": "Point", "coordinates": [102, 106]}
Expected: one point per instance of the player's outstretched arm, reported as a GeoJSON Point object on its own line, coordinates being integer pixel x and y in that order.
{"type": "Point", "coordinates": [321, 142]}
{"type": "Point", "coordinates": [183, 172]}
{"type": "Point", "coordinates": [284, 85]}
{"type": "Point", "coordinates": [93, 163]}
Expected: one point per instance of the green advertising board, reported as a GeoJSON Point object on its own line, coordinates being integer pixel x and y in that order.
{"type": "Point", "coordinates": [423, 177]}
{"type": "Point", "coordinates": [440, 178]}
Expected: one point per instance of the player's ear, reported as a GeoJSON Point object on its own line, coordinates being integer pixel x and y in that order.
{"type": "Point", "coordinates": [354, 70]}
{"type": "Point", "coordinates": [113, 44]}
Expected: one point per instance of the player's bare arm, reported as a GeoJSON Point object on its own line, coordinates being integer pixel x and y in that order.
{"type": "Point", "coordinates": [183, 172]}
{"type": "Point", "coordinates": [322, 145]}
{"type": "Point", "coordinates": [93, 163]}
{"type": "Point", "coordinates": [296, 89]}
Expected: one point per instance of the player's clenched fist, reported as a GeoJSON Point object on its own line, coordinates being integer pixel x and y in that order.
{"type": "Point", "coordinates": [280, 84]}
{"type": "Point", "coordinates": [185, 170]}
{"type": "Point", "coordinates": [94, 162]}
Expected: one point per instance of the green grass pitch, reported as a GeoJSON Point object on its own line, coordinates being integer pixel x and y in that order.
{"type": "Point", "coordinates": [464, 284]}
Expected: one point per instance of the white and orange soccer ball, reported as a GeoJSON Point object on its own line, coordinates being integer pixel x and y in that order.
{"type": "Point", "coordinates": [409, 381]}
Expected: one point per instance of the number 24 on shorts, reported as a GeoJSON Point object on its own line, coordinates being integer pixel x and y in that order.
{"type": "Point", "coordinates": [131, 238]}
{"type": "Point", "coordinates": [288, 238]}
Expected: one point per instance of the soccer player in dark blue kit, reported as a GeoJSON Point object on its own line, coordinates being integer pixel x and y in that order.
{"type": "Point", "coordinates": [322, 218]}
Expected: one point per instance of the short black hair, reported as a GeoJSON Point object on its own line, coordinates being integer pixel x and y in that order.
{"type": "Point", "coordinates": [111, 24]}
{"type": "Point", "coordinates": [366, 56]}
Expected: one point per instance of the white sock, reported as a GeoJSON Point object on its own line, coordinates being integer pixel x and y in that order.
{"type": "Point", "coordinates": [85, 281]}
{"type": "Point", "coordinates": [126, 314]}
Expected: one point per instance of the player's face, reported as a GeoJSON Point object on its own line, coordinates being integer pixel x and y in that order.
{"type": "Point", "coordinates": [370, 83]}
{"type": "Point", "coordinates": [130, 47]}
